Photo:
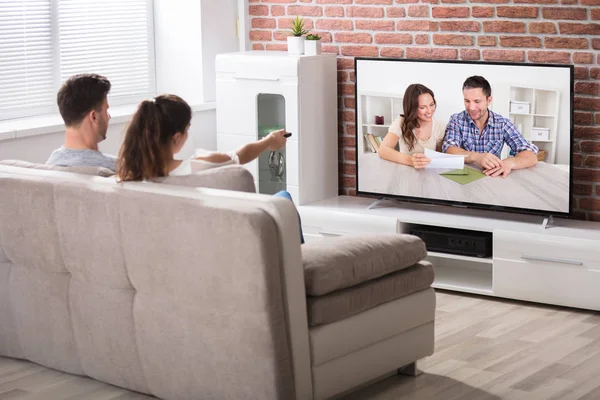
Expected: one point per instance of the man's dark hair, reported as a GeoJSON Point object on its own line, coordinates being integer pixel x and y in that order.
{"type": "Point", "coordinates": [475, 82]}
{"type": "Point", "coordinates": [79, 95]}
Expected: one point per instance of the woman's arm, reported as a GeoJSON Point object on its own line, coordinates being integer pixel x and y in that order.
{"type": "Point", "coordinates": [387, 152]}
{"type": "Point", "coordinates": [273, 141]}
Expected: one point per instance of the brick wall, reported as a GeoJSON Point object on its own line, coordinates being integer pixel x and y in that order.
{"type": "Point", "coordinates": [537, 31]}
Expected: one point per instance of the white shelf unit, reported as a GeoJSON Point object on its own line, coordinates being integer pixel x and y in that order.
{"type": "Point", "coordinates": [371, 104]}
{"type": "Point", "coordinates": [543, 112]}
{"type": "Point", "coordinates": [258, 91]}
{"type": "Point", "coordinates": [558, 265]}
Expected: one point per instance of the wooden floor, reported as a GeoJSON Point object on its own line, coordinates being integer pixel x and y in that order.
{"type": "Point", "coordinates": [485, 349]}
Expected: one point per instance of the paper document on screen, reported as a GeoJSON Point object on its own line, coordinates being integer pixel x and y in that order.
{"type": "Point", "coordinates": [443, 160]}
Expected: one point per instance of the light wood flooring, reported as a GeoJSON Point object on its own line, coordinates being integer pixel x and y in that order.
{"type": "Point", "coordinates": [485, 349]}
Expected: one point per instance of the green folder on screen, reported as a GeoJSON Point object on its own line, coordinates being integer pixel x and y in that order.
{"type": "Point", "coordinates": [463, 176]}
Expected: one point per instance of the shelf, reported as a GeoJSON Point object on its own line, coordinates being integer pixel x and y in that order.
{"type": "Point", "coordinates": [375, 126]}
{"type": "Point", "coordinates": [545, 141]}
{"type": "Point", "coordinates": [459, 257]}
{"type": "Point", "coordinates": [463, 279]}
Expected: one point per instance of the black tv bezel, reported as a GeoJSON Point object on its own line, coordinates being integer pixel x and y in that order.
{"type": "Point", "coordinates": [423, 200]}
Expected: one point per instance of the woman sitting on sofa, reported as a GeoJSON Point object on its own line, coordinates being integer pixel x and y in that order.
{"type": "Point", "coordinates": [159, 129]}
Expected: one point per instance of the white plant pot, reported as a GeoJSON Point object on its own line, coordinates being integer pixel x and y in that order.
{"type": "Point", "coordinates": [296, 44]}
{"type": "Point", "coordinates": [312, 47]}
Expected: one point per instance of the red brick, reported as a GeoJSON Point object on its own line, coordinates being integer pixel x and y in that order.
{"type": "Point", "coordinates": [418, 11]}
{"type": "Point", "coordinates": [364, 12]}
{"type": "Point", "coordinates": [597, 118]}
{"type": "Point", "coordinates": [583, 58]}
{"type": "Point", "coordinates": [430, 1]}
{"type": "Point", "coordinates": [596, 44]}
{"type": "Point", "coordinates": [536, 1]}
{"type": "Point", "coordinates": [582, 118]}
{"type": "Point", "coordinates": [595, 14]}
{"type": "Point", "coordinates": [542, 27]}
{"type": "Point", "coordinates": [503, 26]}
{"type": "Point", "coordinates": [343, 76]}
{"type": "Point", "coordinates": [586, 174]}
{"type": "Point", "coordinates": [349, 169]}
{"type": "Point", "coordinates": [393, 38]}
{"type": "Point", "coordinates": [281, 35]}
{"type": "Point", "coordinates": [395, 12]}
{"type": "Point", "coordinates": [482, 12]}
{"type": "Point", "coordinates": [406, 1]}
{"type": "Point", "coordinates": [581, 73]}
{"type": "Point", "coordinates": [373, 1]}
{"type": "Point", "coordinates": [374, 25]}
{"type": "Point", "coordinates": [348, 116]}
{"type": "Point", "coordinates": [549, 57]}
{"type": "Point", "coordinates": [577, 160]}
{"type": "Point", "coordinates": [353, 37]}
{"type": "Point", "coordinates": [334, 11]}
{"type": "Point", "coordinates": [350, 102]}
{"type": "Point", "coordinates": [520, 41]}
{"type": "Point", "coordinates": [360, 51]}
{"type": "Point", "coordinates": [346, 89]}
{"type": "Point", "coordinates": [450, 12]}
{"type": "Point", "coordinates": [590, 147]}
{"type": "Point", "coordinates": [258, 10]}
{"type": "Point", "coordinates": [309, 11]}
{"type": "Point", "coordinates": [391, 52]}
{"type": "Point", "coordinates": [349, 181]}
{"type": "Point", "coordinates": [568, 2]}
{"type": "Point", "coordinates": [571, 28]}
{"type": "Point", "coordinates": [286, 23]}
{"type": "Point", "coordinates": [453, 1]}
{"type": "Point", "coordinates": [429, 53]}
{"type": "Point", "coordinates": [590, 2]}
{"type": "Point", "coordinates": [587, 88]}
{"type": "Point", "coordinates": [258, 46]}
{"type": "Point", "coordinates": [453, 40]}
{"type": "Point", "coordinates": [582, 189]}
{"type": "Point", "coordinates": [503, 55]}
{"type": "Point", "coordinates": [334, 25]}
{"type": "Point", "coordinates": [260, 35]}
{"type": "Point", "coordinates": [517, 12]}
{"type": "Point", "coordinates": [349, 154]}
{"type": "Point", "coordinates": [334, 1]}
{"type": "Point", "coordinates": [469, 54]}
{"type": "Point", "coordinates": [351, 129]}
{"type": "Point", "coordinates": [564, 13]}
{"type": "Point", "coordinates": [277, 11]}
{"type": "Point", "coordinates": [595, 217]}
{"type": "Point", "coordinates": [276, 47]}
{"type": "Point", "coordinates": [264, 23]}
{"type": "Point", "coordinates": [490, 1]}
{"type": "Point", "coordinates": [330, 49]}
{"type": "Point", "coordinates": [281, 1]}
{"type": "Point", "coordinates": [588, 203]}
{"type": "Point", "coordinates": [595, 73]}
{"type": "Point", "coordinates": [345, 63]}
{"type": "Point", "coordinates": [565, 43]}
{"type": "Point", "coordinates": [587, 132]}
{"type": "Point", "coordinates": [460, 26]}
{"type": "Point", "coordinates": [422, 39]}
{"type": "Point", "coordinates": [486, 41]}
{"type": "Point", "coordinates": [415, 25]}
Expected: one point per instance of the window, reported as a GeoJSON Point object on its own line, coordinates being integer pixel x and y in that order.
{"type": "Point", "coordinates": [43, 42]}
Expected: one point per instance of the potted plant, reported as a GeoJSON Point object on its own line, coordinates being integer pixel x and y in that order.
{"type": "Point", "coordinates": [312, 47]}
{"type": "Point", "coordinates": [296, 41]}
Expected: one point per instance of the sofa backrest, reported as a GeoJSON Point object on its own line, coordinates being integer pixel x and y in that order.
{"type": "Point", "coordinates": [176, 292]}
{"type": "Point", "coordinates": [231, 177]}
{"type": "Point", "coordinates": [86, 170]}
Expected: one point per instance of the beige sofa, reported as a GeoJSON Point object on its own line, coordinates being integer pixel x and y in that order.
{"type": "Point", "coordinates": [188, 293]}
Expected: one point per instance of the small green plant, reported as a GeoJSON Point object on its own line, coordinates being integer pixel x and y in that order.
{"type": "Point", "coordinates": [298, 27]}
{"type": "Point", "coordinates": [313, 36]}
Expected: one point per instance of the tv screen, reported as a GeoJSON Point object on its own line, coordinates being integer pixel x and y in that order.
{"type": "Point", "coordinates": [475, 134]}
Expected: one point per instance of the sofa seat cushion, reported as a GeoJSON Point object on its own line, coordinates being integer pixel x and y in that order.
{"type": "Point", "coordinates": [344, 303]}
{"type": "Point", "coordinates": [338, 263]}
{"type": "Point", "coordinates": [87, 170]}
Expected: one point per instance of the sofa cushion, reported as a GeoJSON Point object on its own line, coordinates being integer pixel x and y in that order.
{"type": "Point", "coordinates": [342, 262]}
{"type": "Point", "coordinates": [342, 304]}
{"type": "Point", "coordinates": [100, 171]}
{"type": "Point", "coordinates": [231, 177]}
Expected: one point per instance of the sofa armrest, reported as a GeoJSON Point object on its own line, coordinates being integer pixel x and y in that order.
{"type": "Point", "coordinates": [342, 262]}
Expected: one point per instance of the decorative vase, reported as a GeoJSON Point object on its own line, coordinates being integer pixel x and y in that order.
{"type": "Point", "coordinates": [296, 44]}
{"type": "Point", "coordinates": [312, 47]}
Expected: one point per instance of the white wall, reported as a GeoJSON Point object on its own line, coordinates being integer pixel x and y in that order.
{"type": "Point", "coordinates": [202, 134]}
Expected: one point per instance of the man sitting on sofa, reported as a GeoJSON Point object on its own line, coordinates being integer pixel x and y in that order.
{"type": "Point", "coordinates": [83, 105]}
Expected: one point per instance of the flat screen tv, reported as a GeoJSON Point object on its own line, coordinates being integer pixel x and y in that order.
{"type": "Point", "coordinates": [522, 132]}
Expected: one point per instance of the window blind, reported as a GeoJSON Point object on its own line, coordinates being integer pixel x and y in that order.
{"type": "Point", "coordinates": [43, 42]}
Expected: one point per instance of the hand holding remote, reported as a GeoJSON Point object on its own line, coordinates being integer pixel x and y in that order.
{"type": "Point", "coordinates": [277, 139]}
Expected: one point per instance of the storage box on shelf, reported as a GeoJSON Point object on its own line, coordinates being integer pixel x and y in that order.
{"type": "Point", "coordinates": [558, 265]}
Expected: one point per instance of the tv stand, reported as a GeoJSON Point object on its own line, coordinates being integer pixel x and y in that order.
{"type": "Point", "coordinates": [555, 266]}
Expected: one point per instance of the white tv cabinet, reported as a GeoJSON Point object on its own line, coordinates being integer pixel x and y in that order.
{"type": "Point", "coordinates": [557, 265]}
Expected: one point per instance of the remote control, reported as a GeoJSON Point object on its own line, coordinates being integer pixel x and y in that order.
{"type": "Point", "coordinates": [287, 134]}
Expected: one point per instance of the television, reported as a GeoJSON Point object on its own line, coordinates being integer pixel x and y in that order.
{"type": "Point", "coordinates": [535, 99]}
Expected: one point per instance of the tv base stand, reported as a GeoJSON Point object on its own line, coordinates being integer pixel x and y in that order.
{"type": "Point", "coordinates": [556, 266]}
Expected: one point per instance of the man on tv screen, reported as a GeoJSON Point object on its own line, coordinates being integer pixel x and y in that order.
{"type": "Point", "coordinates": [480, 133]}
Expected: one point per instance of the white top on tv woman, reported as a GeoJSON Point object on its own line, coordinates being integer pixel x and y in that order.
{"type": "Point", "coordinates": [415, 130]}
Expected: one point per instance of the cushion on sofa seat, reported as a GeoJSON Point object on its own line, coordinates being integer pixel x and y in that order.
{"type": "Point", "coordinates": [345, 261]}
{"type": "Point", "coordinates": [344, 303]}
{"type": "Point", "coordinates": [231, 177]}
{"type": "Point", "coordinates": [100, 171]}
